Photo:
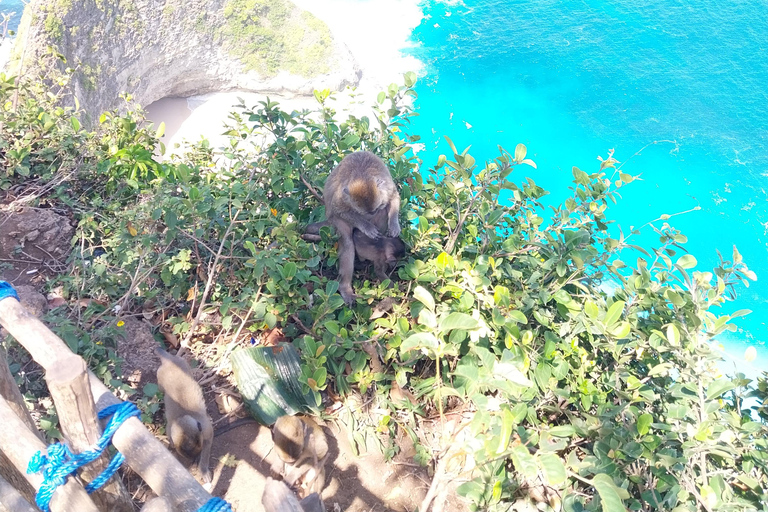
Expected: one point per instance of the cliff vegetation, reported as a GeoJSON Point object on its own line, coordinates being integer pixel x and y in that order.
{"type": "Point", "coordinates": [553, 393]}
{"type": "Point", "coordinates": [154, 50]}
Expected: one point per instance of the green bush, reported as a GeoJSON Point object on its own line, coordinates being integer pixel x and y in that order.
{"type": "Point", "coordinates": [587, 383]}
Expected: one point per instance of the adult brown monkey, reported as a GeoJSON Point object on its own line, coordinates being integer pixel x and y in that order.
{"type": "Point", "coordinates": [359, 194]}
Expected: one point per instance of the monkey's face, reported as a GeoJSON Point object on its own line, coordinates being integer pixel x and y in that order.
{"type": "Point", "coordinates": [191, 447]}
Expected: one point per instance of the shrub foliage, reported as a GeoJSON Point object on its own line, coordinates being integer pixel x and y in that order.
{"type": "Point", "coordinates": [580, 382]}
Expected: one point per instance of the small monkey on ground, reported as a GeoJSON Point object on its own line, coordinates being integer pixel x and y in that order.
{"type": "Point", "coordinates": [359, 194]}
{"type": "Point", "coordinates": [188, 426]}
{"type": "Point", "coordinates": [301, 443]}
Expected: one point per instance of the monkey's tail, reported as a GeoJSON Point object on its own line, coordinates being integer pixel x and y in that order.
{"type": "Point", "coordinates": [312, 231]}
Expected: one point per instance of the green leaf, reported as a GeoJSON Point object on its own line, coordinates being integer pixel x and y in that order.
{"type": "Point", "coordinates": [160, 130]}
{"type": "Point", "coordinates": [418, 341]}
{"type": "Point", "coordinates": [562, 431]}
{"type": "Point", "coordinates": [644, 423]}
{"type": "Point", "coordinates": [620, 330]}
{"type": "Point", "coordinates": [511, 373]}
{"type": "Point", "coordinates": [614, 313]}
{"type": "Point", "coordinates": [554, 469]}
{"type": "Point", "coordinates": [686, 261]}
{"type": "Point", "coordinates": [422, 295]}
{"type": "Point", "coordinates": [590, 308]}
{"type": "Point", "coordinates": [520, 152]}
{"type": "Point", "coordinates": [609, 493]}
{"type": "Point", "coordinates": [517, 316]}
{"type": "Point", "coordinates": [524, 461]}
{"type": "Point", "coordinates": [458, 321]}
{"type": "Point", "coordinates": [269, 379]}
{"type": "Point", "coordinates": [659, 369]}
{"type": "Point", "coordinates": [410, 79]}
{"type": "Point", "coordinates": [507, 422]}
{"type": "Point", "coordinates": [718, 387]}
{"type": "Point", "coordinates": [673, 335]}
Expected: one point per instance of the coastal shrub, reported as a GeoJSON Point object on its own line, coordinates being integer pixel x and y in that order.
{"type": "Point", "coordinates": [564, 377]}
{"type": "Point", "coordinates": [272, 35]}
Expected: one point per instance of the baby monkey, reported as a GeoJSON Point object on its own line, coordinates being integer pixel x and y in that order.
{"type": "Point", "coordinates": [301, 443]}
{"type": "Point", "coordinates": [188, 427]}
{"type": "Point", "coordinates": [383, 252]}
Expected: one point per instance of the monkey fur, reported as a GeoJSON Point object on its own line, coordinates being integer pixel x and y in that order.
{"type": "Point", "coordinates": [359, 194]}
{"type": "Point", "coordinates": [301, 443]}
{"type": "Point", "coordinates": [383, 252]}
{"type": "Point", "coordinates": [188, 426]}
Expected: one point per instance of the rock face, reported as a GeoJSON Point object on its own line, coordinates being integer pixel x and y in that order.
{"type": "Point", "coordinates": [153, 49]}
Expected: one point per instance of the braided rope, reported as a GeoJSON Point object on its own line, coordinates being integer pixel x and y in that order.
{"type": "Point", "coordinates": [215, 505]}
{"type": "Point", "coordinates": [59, 461]}
{"type": "Point", "coordinates": [6, 290]}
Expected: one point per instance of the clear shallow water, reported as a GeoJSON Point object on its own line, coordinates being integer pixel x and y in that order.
{"type": "Point", "coordinates": [12, 6]}
{"type": "Point", "coordinates": [571, 80]}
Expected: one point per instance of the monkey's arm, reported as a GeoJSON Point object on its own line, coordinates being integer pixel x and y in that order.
{"type": "Point", "coordinates": [394, 216]}
{"type": "Point", "coordinates": [346, 262]}
{"type": "Point", "coordinates": [354, 220]}
{"type": "Point", "coordinates": [314, 228]}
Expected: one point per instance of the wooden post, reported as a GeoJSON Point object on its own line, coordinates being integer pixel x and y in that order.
{"type": "Point", "coordinates": [19, 445]}
{"type": "Point", "coordinates": [143, 452]}
{"type": "Point", "coordinates": [11, 500]}
{"type": "Point", "coordinates": [159, 504]}
{"type": "Point", "coordinates": [71, 393]}
{"type": "Point", "coordinates": [10, 391]}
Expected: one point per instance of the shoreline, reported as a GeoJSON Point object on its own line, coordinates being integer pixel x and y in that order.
{"type": "Point", "coordinates": [377, 50]}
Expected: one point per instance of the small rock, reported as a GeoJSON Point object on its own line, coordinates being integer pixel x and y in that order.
{"type": "Point", "coordinates": [32, 300]}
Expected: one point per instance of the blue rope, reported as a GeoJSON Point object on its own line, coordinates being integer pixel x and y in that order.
{"type": "Point", "coordinates": [215, 505]}
{"type": "Point", "coordinates": [59, 461]}
{"type": "Point", "coordinates": [6, 290]}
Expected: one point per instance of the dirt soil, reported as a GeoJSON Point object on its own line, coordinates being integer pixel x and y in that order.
{"type": "Point", "coordinates": [34, 244]}
{"type": "Point", "coordinates": [244, 457]}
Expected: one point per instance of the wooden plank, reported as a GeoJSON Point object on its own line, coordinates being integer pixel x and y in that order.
{"type": "Point", "coordinates": [11, 500]}
{"type": "Point", "coordinates": [144, 453]}
{"type": "Point", "coordinates": [159, 504]}
{"type": "Point", "coordinates": [19, 445]}
{"type": "Point", "coordinates": [71, 392]}
{"type": "Point", "coordinates": [10, 391]}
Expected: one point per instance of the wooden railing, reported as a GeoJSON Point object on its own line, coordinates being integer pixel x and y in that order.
{"type": "Point", "coordinates": [78, 394]}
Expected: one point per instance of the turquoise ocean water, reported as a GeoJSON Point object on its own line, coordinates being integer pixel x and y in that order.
{"type": "Point", "coordinates": [15, 7]}
{"type": "Point", "coordinates": [572, 79]}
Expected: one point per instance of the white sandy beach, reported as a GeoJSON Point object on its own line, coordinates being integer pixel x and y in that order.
{"type": "Point", "coordinates": [377, 48]}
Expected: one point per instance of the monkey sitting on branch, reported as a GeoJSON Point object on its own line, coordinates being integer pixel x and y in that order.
{"type": "Point", "coordinates": [188, 426]}
{"type": "Point", "coordinates": [359, 194]}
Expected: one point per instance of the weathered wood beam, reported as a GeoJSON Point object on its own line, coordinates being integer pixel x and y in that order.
{"type": "Point", "coordinates": [19, 445]}
{"type": "Point", "coordinates": [71, 392]}
{"type": "Point", "coordinates": [144, 453]}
